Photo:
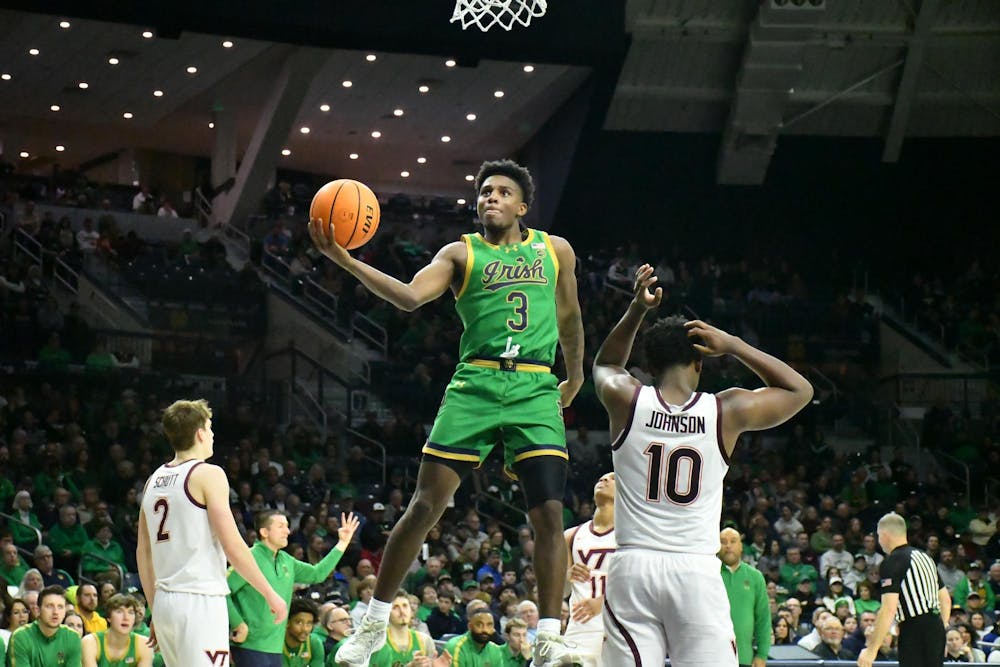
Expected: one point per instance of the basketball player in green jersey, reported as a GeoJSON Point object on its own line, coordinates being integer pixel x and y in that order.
{"type": "Point", "coordinates": [515, 291]}
{"type": "Point", "coordinates": [119, 645]}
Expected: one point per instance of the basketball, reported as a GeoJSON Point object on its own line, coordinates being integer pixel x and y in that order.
{"type": "Point", "coordinates": [350, 207]}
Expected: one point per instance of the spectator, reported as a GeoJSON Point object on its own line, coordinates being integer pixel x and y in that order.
{"type": "Point", "coordinates": [53, 357]}
{"type": "Point", "coordinates": [994, 578]}
{"type": "Point", "coordinates": [527, 611]}
{"type": "Point", "coordinates": [782, 631]}
{"type": "Point", "coordinates": [365, 590]}
{"type": "Point", "coordinates": [302, 648]}
{"type": "Point", "coordinates": [956, 649]}
{"type": "Point", "coordinates": [120, 637]}
{"type": "Point", "coordinates": [86, 606]}
{"type": "Point", "coordinates": [870, 551]}
{"type": "Point", "coordinates": [813, 639]}
{"type": "Point", "coordinates": [404, 645]}
{"type": "Point", "coordinates": [444, 620]}
{"type": "Point", "coordinates": [491, 567]}
{"type": "Point", "coordinates": [822, 540]}
{"type": "Point", "coordinates": [837, 594]}
{"type": "Point", "coordinates": [866, 601]}
{"type": "Point", "coordinates": [277, 240]}
{"type": "Point", "coordinates": [45, 642]}
{"type": "Point", "coordinates": [67, 538]}
{"type": "Point", "coordinates": [87, 237]}
{"type": "Point", "coordinates": [98, 551]}
{"type": "Point", "coordinates": [982, 528]}
{"type": "Point", "coordinates": [74, 622]}
{"type": "Point", "coordinates": [794, 570]}
{"type": "Point", "coordinates": [31, 581]}
{"type": "Point", "coordinates": [836, 557]}
{"type": "Point", "coordinates": [947, 569]}
{"type": "Point", "coordinates": [831, 646]}
{"type": "Point", "coordinates": [143, 201]}
{"type": "Point", "coordinates": [787, 526]}
{"type": "Point", "coordinates": [166, 210]}
{"type": "Point", "coordinates": [13, 567]}
{"type": "Point", "coordinates": [518, 648]}
{"type": "Point", "coordinates": [15, 614]}
{"type": "Point", "coordinates": [747, 601]}
{"type": "Point", "coordinates": [973, 581]}
{"type": "Point", "coordinates": [857, 573]}
{"type": "Point", "coordinates": [338, 626]}
{"type": "Point", "coordinates": [474, 647]}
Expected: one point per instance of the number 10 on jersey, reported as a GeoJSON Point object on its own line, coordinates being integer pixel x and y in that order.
{"type": "Point", "coordinates": [680, 481]}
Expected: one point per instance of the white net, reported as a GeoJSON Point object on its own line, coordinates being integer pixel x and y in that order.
{"type": "Point", "coordinates": [504, 13]}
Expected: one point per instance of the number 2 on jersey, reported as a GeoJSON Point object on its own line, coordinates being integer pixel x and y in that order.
{"type": "Point", "coordinates": [678, 493]}
{"type": "Point", "coordinates": [521, 310]}
{"type": "Point", "coordinates": [162, 534]}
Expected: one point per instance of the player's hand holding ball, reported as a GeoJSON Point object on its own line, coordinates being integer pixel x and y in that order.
{"type": "Point", "coordinates": [644, 296]}
{"type": "Point", "coordinates": [344, 215]}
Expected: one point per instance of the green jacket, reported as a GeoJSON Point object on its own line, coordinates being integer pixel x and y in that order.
{"type": "Point", "coordinates": [62, 539]}
{"type": "Point", "coordinates": [113, 552]}
{"type": "Point", "coordinates": [465, 653]}
{"type": "Point", "coordinates": [748, 605]}
{"type": "Point", "coordinates": [309, 654]}
{"type": "Point", "coordinates": [13, 575]}
{"type": "Point", "coordinates": [282, 571]}
{"type": "Point", "coordinates": [791, 575]}
{"type": "Point", "coordinates": [21, 533]}
{"type": "Point", "coordinates": [30, 648]}
{"type": "Point", "coordinates": [962, 589]}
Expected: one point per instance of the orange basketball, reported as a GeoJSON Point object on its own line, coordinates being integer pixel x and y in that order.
{"type": "Point", "coordinates": [350, 207]}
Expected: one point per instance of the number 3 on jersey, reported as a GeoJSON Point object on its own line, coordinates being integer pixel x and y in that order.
{"type": "Point", "coordinates": [520, 311]}
{"type": "Point", "coordinates": [682, 481]}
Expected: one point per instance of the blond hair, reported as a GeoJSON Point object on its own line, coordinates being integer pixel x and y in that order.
{"type": "Point", "coordinates": [182, 420]}
{"type": "Point", "coordinates": [893, 524]}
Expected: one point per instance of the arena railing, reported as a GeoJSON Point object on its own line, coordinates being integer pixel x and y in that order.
{"type": "Point", "coordinates": [84, 579]}
{"type": "Point", "coordinates": [29, 245]}
{"type": "Point", "coordinates": [381, 448]}
{"type": "Point", "coordinates": [13, 519]}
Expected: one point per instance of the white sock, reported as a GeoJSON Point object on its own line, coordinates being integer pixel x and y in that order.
{"type": "Point", "coordinates": [551, 625]}
{"type": "Point", "coordinates": [378, 610]}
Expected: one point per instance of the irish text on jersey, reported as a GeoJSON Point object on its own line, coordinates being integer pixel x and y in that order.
{"type": "Point", "coordinates": [498, 274]}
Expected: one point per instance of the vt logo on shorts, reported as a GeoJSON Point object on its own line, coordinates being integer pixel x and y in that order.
{"type": "Point", "coordinates": [218, 658]}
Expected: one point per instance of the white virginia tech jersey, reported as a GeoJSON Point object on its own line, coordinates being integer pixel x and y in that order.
{"type": "Point", "coordinates": [592, 549]}
{"type": "Point", "coordinates": [187, 556]}
{"type": "Point", "coordinates": [669, 465]}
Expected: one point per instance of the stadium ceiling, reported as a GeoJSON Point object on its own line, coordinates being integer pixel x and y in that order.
{"type": "Point", "coordinates": [750, 70]}
{"type": "Point", "coordinates": [860, 68]}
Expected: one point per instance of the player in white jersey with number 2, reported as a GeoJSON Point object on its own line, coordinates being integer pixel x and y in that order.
{"type": "Point", "coordinates": [589, 546]}
{"type": "Point", "coordinates": [670, 457]}
{"type": "Point", "coordinates": [186, 533]}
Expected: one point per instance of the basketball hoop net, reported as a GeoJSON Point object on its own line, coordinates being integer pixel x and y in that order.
{"type": "Point", "coordinates": [504, 13]}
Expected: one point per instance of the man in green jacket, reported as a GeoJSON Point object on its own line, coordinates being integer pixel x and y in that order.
{"type": "Point", "coordinates": [46, 642]}
{"type": "Point", "coordinates": [794, 570]}
{"type": "Point", "coordinates": [748, 603]}
{"type": "Point", "coordinates": [474, 648]}
{"type": "Point", "coordinates": [67, 538]}
{"type": "Point", "coordinates": [106, 548]}
{"type": "Point", "coordinates": [256, 640]}
{"type": "Point", "coordinates": [12, 567]}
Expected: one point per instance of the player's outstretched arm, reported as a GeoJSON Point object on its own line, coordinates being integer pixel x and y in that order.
{"type": "Point", "coordinates": [614, 384]}
{"type": "Point", "coordinates": [430, 282]}
{"type": "Point", "coordinates": [209, 482]}
{"type": "Point", "coordinates": [570, 320]}
{"type": "Point", "coordinates": [786, 392]}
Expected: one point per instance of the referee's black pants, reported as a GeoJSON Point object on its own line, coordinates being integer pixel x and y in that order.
{"type": "Point", "coordinates": [921, 641]}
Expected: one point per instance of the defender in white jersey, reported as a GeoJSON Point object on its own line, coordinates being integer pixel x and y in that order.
{"type": "Point", "coordinates": [589, 545]}
{"type": "Point", "coordinates": [186, 532]}
{"type": "Point", "coordinates": [670, 457]}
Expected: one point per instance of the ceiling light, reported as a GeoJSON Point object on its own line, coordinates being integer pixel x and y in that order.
{"type": "Point", "coordinates": [461, 202]}
{"type": "Point", "coordinates": [146, 34]}
{"type": "Point", "coordinates": [529, 68]}
{"type": "Point", "coordinates": [113, 61]}
{"type": "Point", "coordinates": [54, 107]}
{"type": "Point", "coordinates": [324, 107]}
{"type": "Point", "coordinates": [397, 112]}
{"type": "Point", "coordinates": [227, 44]}
{"type": "Point", "coordinates": [404, 174]}
{"type": "Point", "coordinates": [33, 52]}
{"type": "Point", "coordinates": [211, 125]}
{"type": "Point", "coordinates": [83, 85]}
{"type": "Point", "coordinates": [376, 134]}
{"type": "Point", "coordinates": [470, 177]}
{"type": "Point", "coordinates": [304, 130]}
{"type": "Point", "coordinates": [470, 116]}
{"type": "Point", "coordinates": [421, 160]}
{"type": "Point", "coordinates": [64, 25]}
{"type": "Point", "coordinates": [24, 154]}
{"type": "Point", "coordinates": [192, 70]}
{"type": "Point", "coordinates": [449, 63]}
{"type": "Point", "coordinates": [371, 57]}
{"type": "Point", "coordinates": [157, 93]}
{"type": "Point", "coordinates": [353, 156]}
{"type": "Point", "coordinates": [5, 76]}
{"type": "Point", "coordinates": [498, 94]}
{"type": "Point", "coordinates": [424, 88]}
{"type": "Point", "coordinates": [446, 138]}
{"type": "Point", "coordinates": [347, 83]}
{"type": "Point", "coordinates": [60, 148]}
{"type": "Point", "coordinates": [286, 152]}
{"type": "Point", "coordinates": [127, 115]}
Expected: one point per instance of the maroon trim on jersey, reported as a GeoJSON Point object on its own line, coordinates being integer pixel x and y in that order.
{"type": "Point", "coordinates": [694, 400]}
{"type": "Point", "coordinates": [187, 491]}
{"type": "Point", "coordinates": [597, 534]}
{"type": "Point", "coordinates": [572, 538]}
{"type": "Point", "coordinates": [624, 633]}
{"type": "Point", "coordinates": [179, 463]}
{"type": "Point", "coordinates": [620, 440]}
{"type": "Point", "coordinates": [718, 430]}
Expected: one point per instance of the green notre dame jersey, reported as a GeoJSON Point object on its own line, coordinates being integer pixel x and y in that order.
{"type": "Point", "coordinates": [508, 300]}
{"type": "Point", "coordinates": [102, 651]}
{"type": "Point", "coordinates": [391, 655]}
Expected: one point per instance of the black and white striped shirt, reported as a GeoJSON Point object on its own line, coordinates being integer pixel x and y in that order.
{"type": "Point", "coordinates": [913, 575]}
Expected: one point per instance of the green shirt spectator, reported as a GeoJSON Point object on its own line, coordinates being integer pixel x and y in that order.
{"type": "Point", "coordinates": [67, 538]}
{"type": "Point", "coordinates": [13, 566]}
{"type": "Point", "coordinates": [748, 603]}
{"type": "Point", "coordinates": [973, 582]}
{"type": "Point", "coordinates": [794, 570]}
{"type": "Point", "coordinates": [249, 615]}
{"type": "Point", "coordinates": [102, 545]}
{"type": "Point", "coordinates": [46, 642]}
{"type": "Point", "coordinates": [53, 356]}
{"type": "Point", "coordinates": [474, 648]}
{"type": "Point", "coordinates": [301, 648]}
{"type": "Point", "coordinates": [21, 529]}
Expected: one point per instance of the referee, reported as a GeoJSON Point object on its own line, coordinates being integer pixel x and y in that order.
{"type": "Point", "coordinates": [912, 592]}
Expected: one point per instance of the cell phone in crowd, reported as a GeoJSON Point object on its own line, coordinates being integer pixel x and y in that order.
{"type": "Point", "coordinates": [425, 552]}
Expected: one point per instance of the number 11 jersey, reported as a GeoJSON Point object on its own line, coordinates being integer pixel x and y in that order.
{"type": "Point", "coordinates": [669, 467]}
{"type": "Point", "coordinates": [187, 556]}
